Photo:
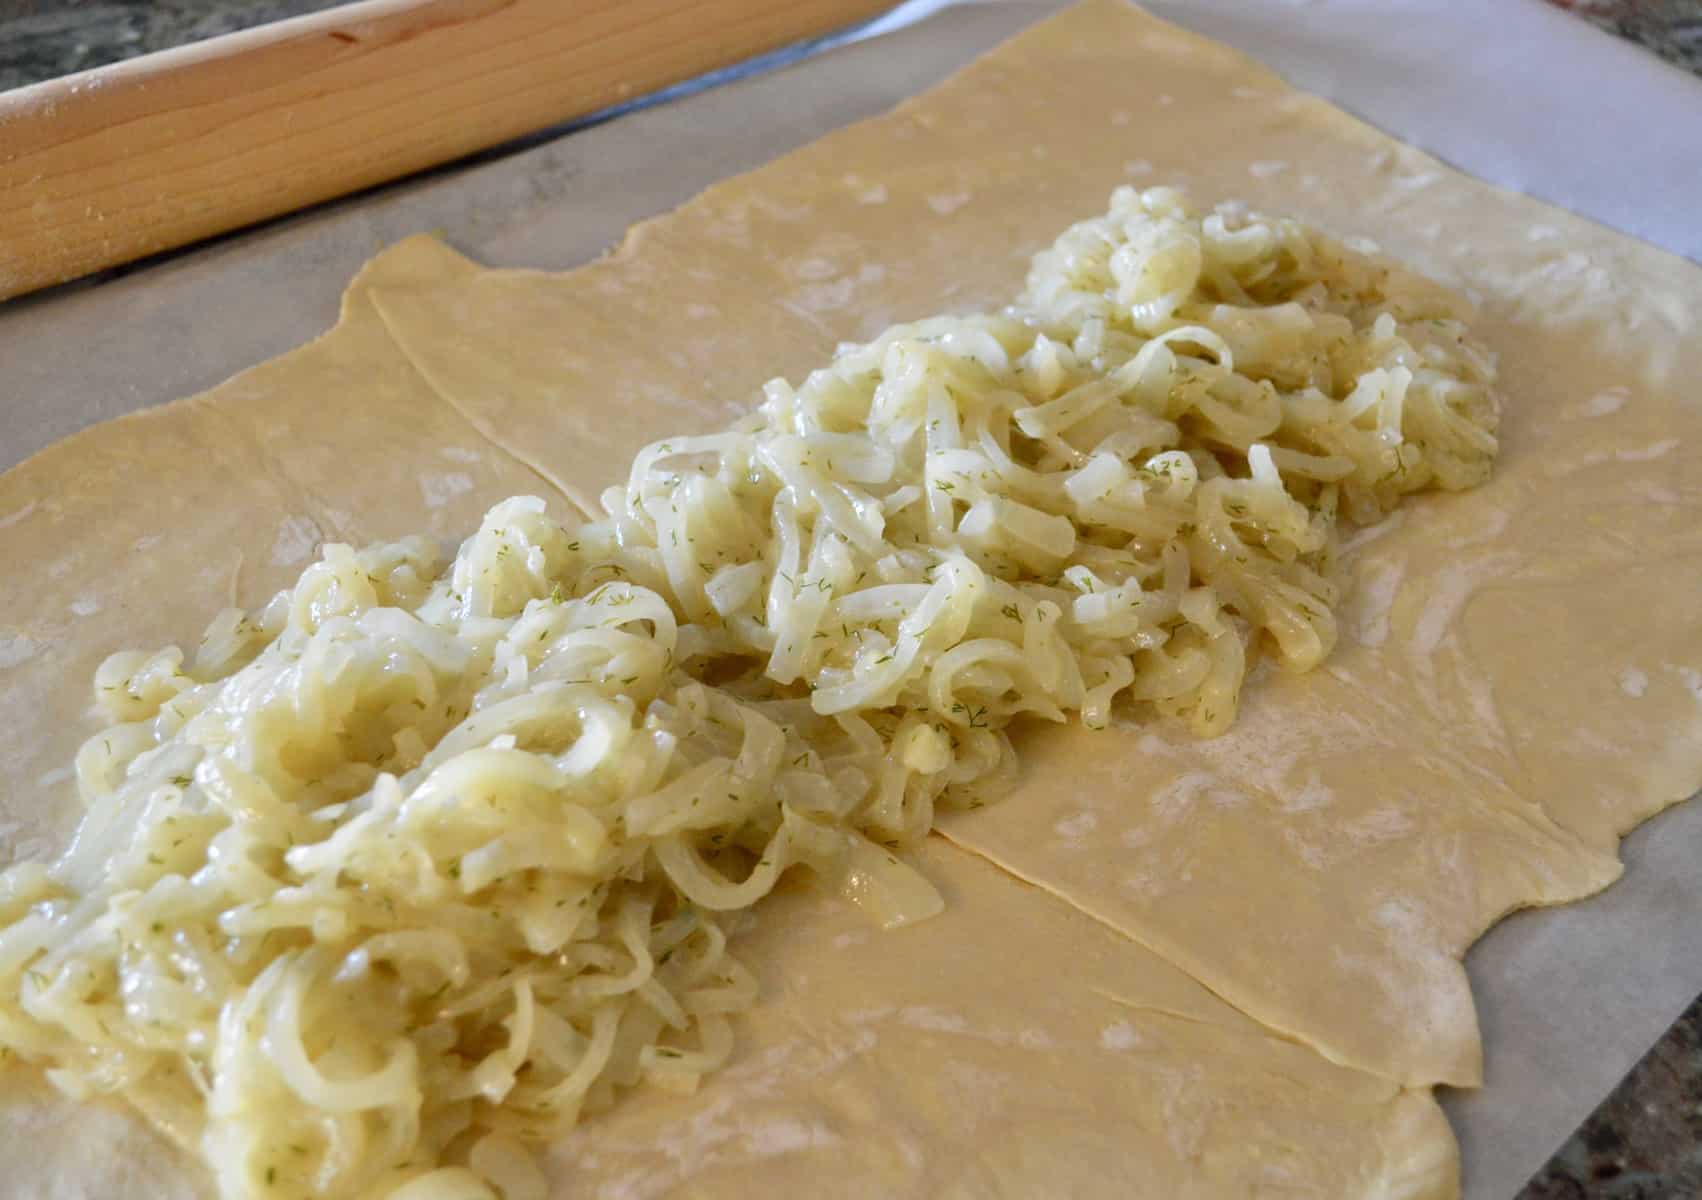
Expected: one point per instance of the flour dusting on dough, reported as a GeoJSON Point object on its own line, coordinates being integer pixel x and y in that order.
{"type": "Point", "coordinates": [826, 297]}
{"type": "Point", "coordinates": [1480, 694]}
{"type": "Point", "coordinates": [1078, 826]}
{"type": "Point", "coordinates": [438, 490]}
{"type": "Point", "coordinates": [1378, 826]}
{"type": "Point", "coordinates": [297, 539]}
{"type": "Point", "coordinates": [1375, 599]}
{"type": "Point", "coordinates": [1603, 403]}
{"type": "Point", "coordinates": [813, 268]}
{"type": "Point", "coordinates": [1367, 534]}
{"type": "Point", "coordinates": [786, 1136]}
{"type": "Point", "coordinates": [1491, 527]}
{"type": "Point", "coordinates": [15, 648]}
{"type": "Point", "coordinates": [1308, 852]}
{"type": "Point", "coordinates": [1119, 1035]}
{"type": "Point", "coordinates": [16, 515]}
{"type": "Point", "coordinates": [1633, 682]}
{"type": "Point", "coordinates": [1448, 599]}
{"type": "Point", "coordinates": [1312, 794]}
{"type": "Point", "coordinates": [1441, 1000]}
{"type": "Point", "coordinates": [932, 1019]}
{"type": "Point", "coordinates": [1650, 452]}
{"type": "Point", "coordinates": [1177, 797]}
{"type": "Point", "coordinates": [1654, 493]}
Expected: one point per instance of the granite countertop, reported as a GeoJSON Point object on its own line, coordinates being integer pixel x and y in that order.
{"type": "Point", "coordinates": [1644, 1142]}
{"type": "Point", "coordinates": [41, 39]}
{"type": "Point", "coordinates": [1671, 28]}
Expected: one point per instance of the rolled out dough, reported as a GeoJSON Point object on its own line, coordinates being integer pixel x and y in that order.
{"type": "Point", "coordinates": [1238, 965]}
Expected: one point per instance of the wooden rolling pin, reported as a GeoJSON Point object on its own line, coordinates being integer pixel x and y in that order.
{"type": "Point", "coordinates": [109, 165]}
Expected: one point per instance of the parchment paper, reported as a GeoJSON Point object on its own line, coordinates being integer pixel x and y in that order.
{"type": "Point", "coordinates": [1568, 998]}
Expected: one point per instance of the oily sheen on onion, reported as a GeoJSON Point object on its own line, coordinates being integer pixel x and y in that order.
{"type": "Point", "coordinates": [431, 856]}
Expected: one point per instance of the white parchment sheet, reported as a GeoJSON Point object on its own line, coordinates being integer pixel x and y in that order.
{"type": "Point", "coordinates": [1515, 93]}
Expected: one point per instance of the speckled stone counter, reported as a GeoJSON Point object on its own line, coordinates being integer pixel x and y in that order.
{"type": "Point", "coordinates": [1671, 28]}
{"type": "Point", "coordinates": [40, 39]}
{"type": "Point", "coordinates": [1645, 1140]}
